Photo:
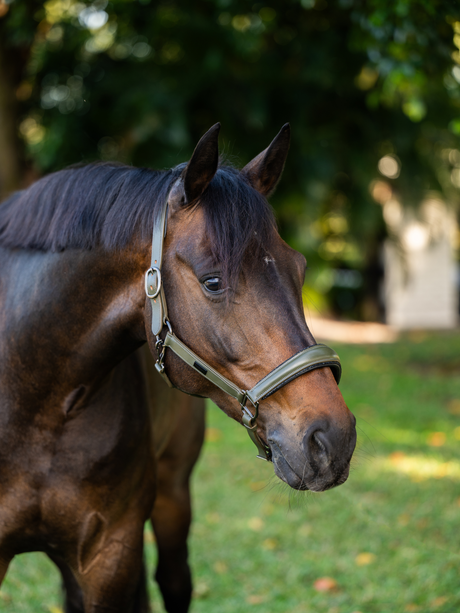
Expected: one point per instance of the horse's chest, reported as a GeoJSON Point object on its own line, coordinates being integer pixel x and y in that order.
{"type": "Point", "coordinates": [56, 465]}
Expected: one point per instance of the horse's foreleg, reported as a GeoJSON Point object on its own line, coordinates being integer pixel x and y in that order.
{"type": "Point", "coordinates": [171, 522]}
{"type": "Point", "coordinates": [172, 511]}
{"type": "Point", "coordinates": [141, 598]}
{"type": "Point", "coordinates": [4, 563]}
{"type": "Point", "coordinates": [73, 596]}
{"type": "Point", "coordinates": [114, 582]}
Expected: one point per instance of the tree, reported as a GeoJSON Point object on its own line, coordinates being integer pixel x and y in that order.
{"type": "Point", "coordinates": [358, 80]}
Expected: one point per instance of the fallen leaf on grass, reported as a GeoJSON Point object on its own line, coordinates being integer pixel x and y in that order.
{"type": "Point", "coordinates": [362, 559]}
{"type": "Point", "coordinates": [454, 406]}
{"type": "Point", "coordinates": [213, 518]}
{"type": "Point", "coordinates": [4, 597]}
{"type": "Point", "coordinates": [213, 435]}
{"type": "Point", "coordinates": [256, 599]}
{"type": "Point", "coordinates": [436, 439]}
{"type": "Point", "coordinates": [438, 602]}
{"type": "Point", "coordinates": [397, 457]}
{"type": "Point", "coordinates": [149, 537]}
{"type": "Point", "coordinates": [403, 519]}
{"type": "Point", "coordinates": [305, 530]}
{"type": "Point", "coordinates": [201, 590]}
{"type": "Point", "coordinates": [270, 544]}
{"type": "Point", "coordinates": [55, 609]}
{"type": "Point", "coordinates": [220, 567]}
{"type": "Point", "coordinates": [256, 523]}
{"type": "Point", "coordinates": [325, 584]}
{"type": "Point", "coordinates": [411, 608]}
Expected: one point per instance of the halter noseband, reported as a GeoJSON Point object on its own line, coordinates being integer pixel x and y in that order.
{"type": "Point", "coordinates": [316, 356]}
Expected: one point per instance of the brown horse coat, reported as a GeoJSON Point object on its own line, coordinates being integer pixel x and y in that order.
{"type": "Point", "coordinates": [89, 435]}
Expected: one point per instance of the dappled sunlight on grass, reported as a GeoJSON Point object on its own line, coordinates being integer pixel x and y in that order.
{"type": "Point", "coordinates": [402, 436]}
{"type": "Point", "coordinates": [410, 436]}
{"type": "Point", "coordinates": [385, 541]}
{"type": "Point", "coordinates": [418, 467]}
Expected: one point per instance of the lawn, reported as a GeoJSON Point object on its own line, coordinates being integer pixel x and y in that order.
{"type": "Point", "coordinates": [387, 541]}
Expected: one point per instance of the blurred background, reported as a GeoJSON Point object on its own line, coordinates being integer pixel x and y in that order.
{"type": "Point", "coordinates": [371, 89]}
{"type": "Point", "coordinates": [370, 195]}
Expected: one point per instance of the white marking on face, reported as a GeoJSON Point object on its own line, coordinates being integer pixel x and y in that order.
{"type": "Point", "coordinates": [268, 259]}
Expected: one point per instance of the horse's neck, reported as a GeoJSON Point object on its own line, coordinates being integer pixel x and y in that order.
{"type": "Point", "coordinates": [67, 319]}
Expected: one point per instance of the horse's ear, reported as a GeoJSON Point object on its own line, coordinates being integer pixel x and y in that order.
{"type": "Point", "coordinates": [266, 169]}
{"type": "Point", "coordinates": [203, 164]}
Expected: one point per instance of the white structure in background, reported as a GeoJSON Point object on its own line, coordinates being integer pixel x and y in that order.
{"type": "Point", "coordinates": [420, 283]}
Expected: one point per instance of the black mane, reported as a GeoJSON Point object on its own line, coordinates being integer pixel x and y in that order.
{"type": "Point", "coordinates": [112, 205]}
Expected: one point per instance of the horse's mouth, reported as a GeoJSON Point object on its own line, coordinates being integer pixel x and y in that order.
{"type": "Point", "coordinates": [306, 477]}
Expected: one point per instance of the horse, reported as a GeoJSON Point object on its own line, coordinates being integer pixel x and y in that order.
{"type": "Point", "coordinates": [93, 441]}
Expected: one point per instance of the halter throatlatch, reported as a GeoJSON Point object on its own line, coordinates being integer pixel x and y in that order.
{"type": "Point", "coordinates": [316, 356]}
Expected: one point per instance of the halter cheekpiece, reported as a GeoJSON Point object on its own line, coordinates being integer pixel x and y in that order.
{"type": "Point", "coordinates": [316, 356]}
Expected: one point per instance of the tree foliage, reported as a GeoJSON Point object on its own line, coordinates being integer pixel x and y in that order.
{"type": "Point", "coordinates": [140, 81]}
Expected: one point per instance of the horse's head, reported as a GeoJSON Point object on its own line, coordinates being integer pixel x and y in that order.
{"type": "Point", "coordinates": [234, 294]}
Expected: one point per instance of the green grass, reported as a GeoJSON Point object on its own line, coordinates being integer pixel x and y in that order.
{"type": "Point", "coordinates": [389, 537]}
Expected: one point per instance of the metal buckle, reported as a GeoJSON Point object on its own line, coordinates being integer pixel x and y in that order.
{"type": "Point", "coordinates": [151, 271]}
{"type": "Point", "coordinates": [247, 412]}
{"type": "Point", "coordinates": [249, 420]}
{"type": "Point", "coordinates": [160, 348]}
{"type": "Point", "coordinates": [250, 423]}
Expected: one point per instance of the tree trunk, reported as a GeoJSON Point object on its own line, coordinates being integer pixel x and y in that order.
{"type": "Point", "coordinates": [11, 154]}
{"type": "Point", "coordinates": [14, 57]}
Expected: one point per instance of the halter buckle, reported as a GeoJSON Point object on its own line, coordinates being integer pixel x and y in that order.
{"type": "Point", "coordinates": [149, 289]}
{"type": "Point", "coordinates": [249, 420]}
{"type": "Point", "coordinates": [159, 364]}
{"type": "Point", "coordinates": [160, 348]}
{"type": "Point", "coordinates": [250, 423]}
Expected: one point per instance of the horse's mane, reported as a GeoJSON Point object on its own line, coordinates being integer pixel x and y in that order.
{"type": "Point", "coordinates": [112, 205]}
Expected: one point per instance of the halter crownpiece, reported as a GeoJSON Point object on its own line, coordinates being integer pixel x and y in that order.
{"type": "Point", "coordinates": [316, 356]}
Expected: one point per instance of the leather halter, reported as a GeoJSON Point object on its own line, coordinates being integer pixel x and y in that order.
{"type": "Point", "coordinates": [316, 356]}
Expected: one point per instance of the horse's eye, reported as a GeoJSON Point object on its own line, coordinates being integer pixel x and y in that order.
{"type": "Point", "coordinates": [214, 284]}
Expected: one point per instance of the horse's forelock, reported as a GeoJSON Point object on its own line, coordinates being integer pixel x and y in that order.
{"type": "Point", "coordinates": [238, 220]}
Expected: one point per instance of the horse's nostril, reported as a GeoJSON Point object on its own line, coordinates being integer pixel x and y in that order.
{"type": "Point", "coordinates": [317, 445]}
{"type": "Point", "coordinates": [318, 442]}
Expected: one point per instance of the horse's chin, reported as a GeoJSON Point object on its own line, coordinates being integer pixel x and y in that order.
{"type": "Point", "coordinates": [309, 480]}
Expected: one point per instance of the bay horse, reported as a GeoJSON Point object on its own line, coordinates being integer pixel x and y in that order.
{"type": "Point", "coordinates": [92, 442]}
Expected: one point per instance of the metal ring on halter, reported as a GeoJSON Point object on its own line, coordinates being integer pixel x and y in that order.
{"type": "Point", "coordinates": [159, 340]}
{"type": "Point", "coordinates": [153, 270]}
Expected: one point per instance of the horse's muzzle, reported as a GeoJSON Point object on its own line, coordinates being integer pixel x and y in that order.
{"type": "Point", "coordinates": [318, 461]}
